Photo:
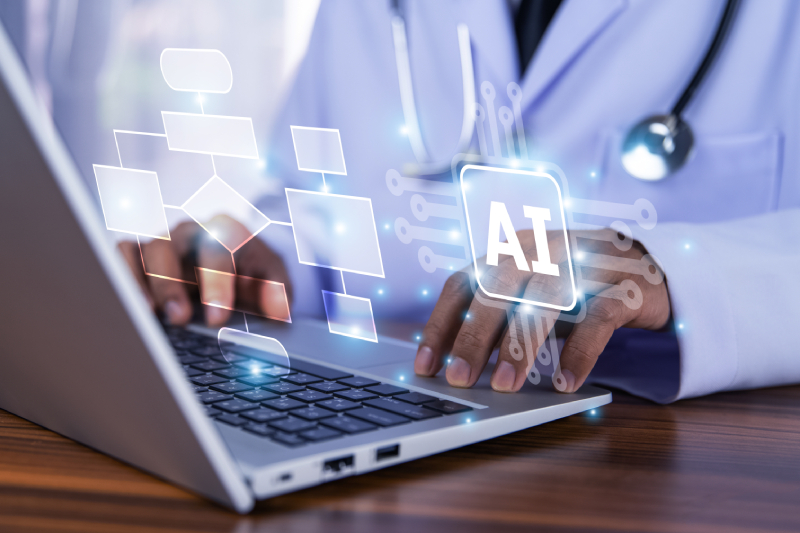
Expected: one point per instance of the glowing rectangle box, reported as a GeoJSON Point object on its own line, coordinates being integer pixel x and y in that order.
{"type": "Point", "coordinates": [210, 134]}
{"type": "Point", "coordinates": [335, 231]}
{"type": "Point", "coordinates": [131, 201]}
{"type": "Point", "coordinates": [350, 316]}
{"type": "Point", "coordinates": [270, 294]}
{"type": "Point", "coordinates": [206, 71]}
{"type": "Point", "coordinates": [318, 150]}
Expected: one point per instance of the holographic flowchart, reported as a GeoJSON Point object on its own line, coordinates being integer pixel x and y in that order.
{"type": "Point", "coordinates": [331, 231]}
{"type": "Point", "coordinates": [451, 199]}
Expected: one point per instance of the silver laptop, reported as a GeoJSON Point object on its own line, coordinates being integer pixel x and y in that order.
{"type": "Point", "coordinates": [83, 356]}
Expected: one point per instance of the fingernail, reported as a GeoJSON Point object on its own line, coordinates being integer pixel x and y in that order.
{"type": "Point", "coordinates": [569, 378]}
{"type": "Point", "coordinates": [504, 377]}
{"type": "Point", "coordinates": [424, 361]}
{"type": "Point", "coordinates": [458, 372]}
{"type": "Point", "coordinates": [173, 311]}
{"type": "Point", "coordinates": [215, 315]}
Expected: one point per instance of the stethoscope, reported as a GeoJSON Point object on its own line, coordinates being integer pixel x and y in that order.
{"type": "Point", "coordinates": [653, 149]}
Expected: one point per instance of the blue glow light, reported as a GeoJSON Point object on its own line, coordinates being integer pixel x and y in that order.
{"type": "Point", "coordinates": [469, 420]}
{"type": "Point", "coordinates": [402, 378]}
{"type": "Point", "coordinates": [592, 412]}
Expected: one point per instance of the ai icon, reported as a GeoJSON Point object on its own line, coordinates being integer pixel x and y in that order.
{"type": "Point", "coordinates": [518, 234]}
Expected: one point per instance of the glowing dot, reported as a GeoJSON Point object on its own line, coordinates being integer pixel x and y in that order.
{"type": "Point", "coordinates": [469, 420]}
{"type": "Point", "coordinates": [687, 246]}
{"type": "Point", "coordinates": [680, 326]}
{"type": "Point", "coordinates": [125, 203]}
{"type": "Point", "coordinates": [380, 291]}
{"type": "Point", "coordinates": [386, 226]}
{"type": "Point", "coordinates": [579, 256]}
{"type": "Point", "coordinates": [593, 174]}
{"type": "Point", "coordinates": [418, 337]}
{"type": "Point", "coordinates": [403, 130]}
{"type": "Point", "coordinates": [540, 169]}
{"type": "Point", "coordinates": [455, 235]}
{"type": "Point", "coordinates": [592, 412]}
{"type": "Point", "coordinates": [567, 203]}
{"type": "Point", "coordinates": [340, 228]}
{"type": "Point", "coordinates": [514, 163]}
{"type": "Point", "coordinates": [467, 315]}
{"type": "Point", "coordinates": [262, 163]}
{"type": "Point", "coordinates": [449, 359]}
{"type": "Point", "coordinates": [324, 188]}
{"type": "Point", "coordinates": [425, 292]}
{"type": "Point", "coordinates": [354, 330]}
{"type": "Point", "coordinates": [402, 378]}
{"type": "Point", "coordinates": [200, 98]}
{"type": "Point", "coordinates": [451, 267]}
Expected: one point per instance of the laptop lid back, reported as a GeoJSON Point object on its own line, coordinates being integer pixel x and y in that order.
{"type": "Point", "coordinates": [81, 352]}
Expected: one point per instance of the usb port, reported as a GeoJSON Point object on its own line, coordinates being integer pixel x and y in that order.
{"type": "Point", "coordinates": [337, 465]}
{"type": "Point", "coordinates": [387, 452]}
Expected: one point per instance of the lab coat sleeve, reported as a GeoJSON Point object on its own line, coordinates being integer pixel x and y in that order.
{"type": "Point", "coordinates": [735, 293]}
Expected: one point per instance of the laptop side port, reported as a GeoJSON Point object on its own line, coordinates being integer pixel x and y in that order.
{"type": "Point", "coordinates": [338, 465]}
{"type": "Point", "coordinates": [387, 452]}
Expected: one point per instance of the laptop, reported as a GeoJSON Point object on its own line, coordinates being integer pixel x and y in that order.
{"type": "Point", "coordinates": [83, 355]}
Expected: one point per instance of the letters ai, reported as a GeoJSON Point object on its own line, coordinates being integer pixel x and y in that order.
{"type": "Point", "coordinates": [498, 218]}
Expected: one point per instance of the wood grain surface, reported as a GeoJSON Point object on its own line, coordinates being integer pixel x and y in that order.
{"type": "Point", "coordinates": [726, 463]}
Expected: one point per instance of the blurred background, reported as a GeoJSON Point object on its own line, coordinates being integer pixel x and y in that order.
{"type": "Point", "coordinates": [95, 67]}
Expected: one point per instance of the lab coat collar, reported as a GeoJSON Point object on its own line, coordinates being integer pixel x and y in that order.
{"type": "Point", "coordinates": [576, 24]}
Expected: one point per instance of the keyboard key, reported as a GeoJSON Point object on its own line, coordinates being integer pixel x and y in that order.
{"type": "Point", "coordinates": [229, 358]}
{"type": "Point", "coordinates": [416, 412]}
{"type": "Point", "coordinates": [283, 404]}
{"type": "Point", "coordinates": [320, 433]}
{"type": "Point", "coordinates": [205, 350]}
{"type": "Point", "coordinates": [214, 396]}
{"type": "Point", "coordinates": [192, 372]}
{"type": "Point", "coordinates": [319, 371]}
{"type": "Point", "coordinates": [415, 397]}
{"type": "Point", "coordinates": [263, 415]}
{"type": "Point", "coordinates": [348, 425]}
{"type": "Point", "coordinates": [289, 439]}
{"type": "Point", "coordinates": [338, 405]}
{"type": "Point", "coordinates": [328, 386]}
{"type": "Point", "coordinates": [231, 387]}
{"type": "Point", "coordinates": [379, 417]}
{"type": "Point", "coordinates": [278, 371]}
{"type": "Point", "coordinates": [212, 411]}
{"type": "Point", "coordinates": [292, 425]}
{"type": "Point", "coordinates": [190, 359]}
{"type": "Point", "coordinates": [210, 366]}
{"type": "Point", "coordinates": [313, 413]}
{"type": "Point", "coordinates": [232, 372]}
{"type": "Point", "coordinates": [235, 406]}
{"type": "Point", "coordinates": [355, 395]}
{"type": "Point", "coordinates": [208, 379]}
{"type": "Point", "coordinates": [283, 388]}
{"type": "Point", "coordinates": [253, 365]}
{"type": "Point", "coordinates": [258, 381]}
{"type": "Point", "coordinates": [358, 382]}
{"type": "Point", "coordinates": [309, 396]}
{"type": "Point", "coordinates": [262, 430]}
{"type": "Point", "coordinates": [199, 388]}
{"type": "Point", "coordinates": [256, 395]}
{"type": "Point", "coordinates": [447, 407]}
{"type": "Point", "coordinates": [231, 420]}
{"type": "Point", "coordinates": [302, 379]}
{"type": "Point", "coordinates": [386, 390]}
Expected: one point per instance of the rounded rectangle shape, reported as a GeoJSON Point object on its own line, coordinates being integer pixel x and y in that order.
{"type": "Point", "coordinates": [549, 188]}
{"type": "Point", "coordinates": [318, 150]}
{"type": "Point", "coordinates": [335, 231]}
{"type": "Point", "coordinates": [237, 342]}
{"type": "Point", "coordinates": [200, 71]}
{"type": "Point", "coordinates": [131, 201]}
{"type": "Point", "coordinates": [210, 134]}
{"type": "Point", "coordinates": [350, 316]}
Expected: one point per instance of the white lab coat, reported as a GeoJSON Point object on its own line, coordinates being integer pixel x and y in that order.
{"type": "Point", "coordinates": [602, 66]}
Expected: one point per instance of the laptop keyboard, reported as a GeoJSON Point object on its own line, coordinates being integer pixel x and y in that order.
{"type": "Point", "coordinates": [305, 404]}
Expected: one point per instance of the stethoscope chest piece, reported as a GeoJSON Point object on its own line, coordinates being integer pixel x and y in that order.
{"type": "Point", "coordinates": [657, 147]}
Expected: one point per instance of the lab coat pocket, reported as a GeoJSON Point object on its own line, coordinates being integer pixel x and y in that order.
{"type": "Point", "coordinates": [728, 176]}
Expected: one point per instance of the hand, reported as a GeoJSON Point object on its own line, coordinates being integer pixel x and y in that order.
{"type": "Point", "coordinates": [470, 341]}
{"type": "Point", "coordinates": [169, 258]}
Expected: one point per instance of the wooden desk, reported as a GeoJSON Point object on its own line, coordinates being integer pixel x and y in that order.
{"type": "Point", "coordinates": [726, 463]}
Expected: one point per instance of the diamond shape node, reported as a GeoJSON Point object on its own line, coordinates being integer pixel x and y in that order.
{"type": "Point", "coordinates": [217, 198]}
